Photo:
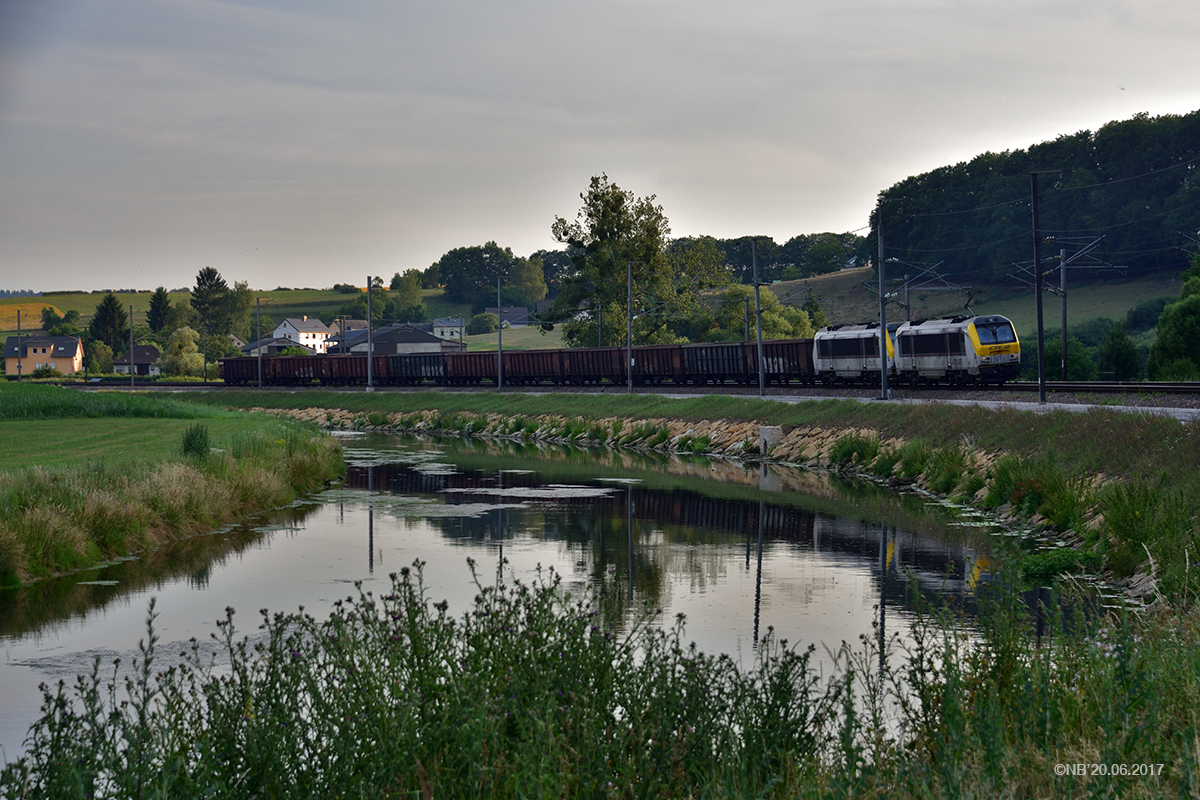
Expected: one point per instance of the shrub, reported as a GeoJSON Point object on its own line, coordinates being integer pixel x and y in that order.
{"type": "Point", "coordinates": [913, 458]}
{"type": "Point", "coordinates": [854, 449]}
{"type": "Point", "coordinates": [195, 441]}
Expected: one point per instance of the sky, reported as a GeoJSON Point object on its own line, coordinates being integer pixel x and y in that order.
{"type": "Point", "coordinates": [302, 143]}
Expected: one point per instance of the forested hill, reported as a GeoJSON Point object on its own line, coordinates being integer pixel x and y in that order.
{"type": "Point", "coordinates": [1134, 182]}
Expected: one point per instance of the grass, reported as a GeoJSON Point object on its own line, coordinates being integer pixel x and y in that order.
{"type": "Point", "coordinates": [86, 477]}
{"type": "Point", "coordinates": [525, 338]}
{"type": "Point", "coordinates": [533, 692]}
{"type": "Point", "coordinates": [1043, 466]}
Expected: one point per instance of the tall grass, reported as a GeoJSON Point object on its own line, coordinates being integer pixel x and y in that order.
{"type": "Point", "coordinates": [30, 401]}
{"type": "Point", "coordinates": [534, 693]}
{"type": "Point", "coordinates": [53, 520]}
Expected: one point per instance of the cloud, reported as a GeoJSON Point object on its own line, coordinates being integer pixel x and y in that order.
{"type": "Point", "coordinates": [310, 138]}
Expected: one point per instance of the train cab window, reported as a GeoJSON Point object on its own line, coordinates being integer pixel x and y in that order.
{"type": "Point", "coordinates": [1001, 333]}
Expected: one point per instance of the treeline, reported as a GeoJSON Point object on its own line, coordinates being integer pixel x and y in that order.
{"type": "Point", "coordinates": [1134, 182]}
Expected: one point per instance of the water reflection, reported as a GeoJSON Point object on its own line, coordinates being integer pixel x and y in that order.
{"type": "Point", "coordinates": [739, 550]}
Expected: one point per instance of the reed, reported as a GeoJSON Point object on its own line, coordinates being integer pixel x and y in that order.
{"type": "Point", "coordinates": [533, 692]}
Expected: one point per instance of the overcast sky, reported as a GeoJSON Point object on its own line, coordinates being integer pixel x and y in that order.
{"type": "Point", "coordinates": [301, 143]}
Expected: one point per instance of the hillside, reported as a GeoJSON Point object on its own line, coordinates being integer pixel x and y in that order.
{"type": "Point", "coordinates": [846, 299]}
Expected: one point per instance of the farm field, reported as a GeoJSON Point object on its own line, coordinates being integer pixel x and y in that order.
{"type": "Point", "coordinates": [843, 294]}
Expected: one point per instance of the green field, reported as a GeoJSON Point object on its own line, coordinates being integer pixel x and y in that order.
{"type": "Point", "coordinates": [55, 443]}
{"type": "Point", "coordinates": [846, 298]}
{"type": "Point", "coordinates": [844, 295]}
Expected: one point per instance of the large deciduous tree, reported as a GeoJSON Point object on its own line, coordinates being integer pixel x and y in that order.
{"type": "Point", "coordinates": [109, 324]}
{"type": "Point", "coordinates": [467, 272]}
{"type": "Point", "coordinates": [616, 231]}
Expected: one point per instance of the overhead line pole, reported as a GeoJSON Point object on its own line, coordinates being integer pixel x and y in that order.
{"type": "Point", "coordinates": [629, 327]}
{"type": "Point", "coordinates": [883, 337]}
{"type": "Point", "coordinates": [1037, 282]}
{"type": "Point", "coordinates": [370, 342]}
{"type": "Point", "coordinates": [499, 339]}
{"type": "Point", "coordinates": [758, 317]}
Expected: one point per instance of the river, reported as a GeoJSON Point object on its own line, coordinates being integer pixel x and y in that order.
{"type": "Point", "coordinates": [739, 549]}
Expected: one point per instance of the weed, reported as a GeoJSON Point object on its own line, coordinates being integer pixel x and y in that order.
{"type": "Point", "coordinates": [854, 449]}
{"type": "Point", "coordinates": [195, 441]}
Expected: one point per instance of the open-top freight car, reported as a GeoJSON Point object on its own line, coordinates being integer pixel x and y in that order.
{"type": "Point", "coordinates": [706, 363]}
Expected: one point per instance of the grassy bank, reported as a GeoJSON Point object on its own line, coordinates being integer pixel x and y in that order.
{"type": "Point", "coordinates": [1123, 490]}
{"type": "Point", "coordinates": [89, 477]}
{"type": "Point", "coordinates": [533, 693]}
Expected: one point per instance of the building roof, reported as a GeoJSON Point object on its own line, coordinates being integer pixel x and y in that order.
{"type": "Point", "coordinates": [276, 341]}
{"type": "Point", "coordinates": [449, 322]}
{"type": "Point", "coordinates": [63, 346]}
{"type": "Point", "coordinates": [404, 332]}
{"type": "Point", "coordinates": [305, 325]}
{"type": "Point", "coordinates": [142, 354]}
{"type": "Point", "coordinates": [513, 315]}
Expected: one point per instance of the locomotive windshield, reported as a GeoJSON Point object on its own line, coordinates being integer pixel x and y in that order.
{"type": "Point", "coordinates": [995, 333]}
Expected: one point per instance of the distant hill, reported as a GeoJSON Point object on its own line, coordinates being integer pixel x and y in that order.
{"type": "Point", "coordinates": [1134, 182]}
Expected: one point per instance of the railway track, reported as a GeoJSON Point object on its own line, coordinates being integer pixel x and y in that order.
{"type": "Point", "coordinates": [1072, 387]}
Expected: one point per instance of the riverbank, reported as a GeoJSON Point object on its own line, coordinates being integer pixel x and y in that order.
{"type": "Point", "coordinates": [534, 692]}
{"type": "Point", "coordinates": [1119, 491]}
{"type": "Point", "coordinates": [86, 479]}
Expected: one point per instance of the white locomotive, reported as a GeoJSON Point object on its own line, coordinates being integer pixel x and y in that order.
{"type": "Point", "coordinates": [958, 350]}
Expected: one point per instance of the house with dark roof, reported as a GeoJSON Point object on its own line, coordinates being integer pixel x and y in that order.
{"type": "Point", "coordinates": [510, 316]}
{"type": "Point", "coordinates": [310, 332]}
{"type": "Point", "coordinates": [271, 345]}
{"type": "Point", "coordinates": [63, 353]}
{"type": "Point", "coordinates": [392, 339]}
{"type": "Point", "coordinates": [144, 358]}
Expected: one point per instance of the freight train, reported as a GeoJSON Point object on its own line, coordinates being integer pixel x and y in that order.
{"type": "Point", "coordinates": [959, 350]}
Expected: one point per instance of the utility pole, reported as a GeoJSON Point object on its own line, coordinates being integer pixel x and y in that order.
{"type": "Point", "coordinates": [499, 339]}
{"type": "Point", "coordinates": [629, 329]}
{"type": "Point", "coordinates": [883, 337]}
{"type": "Point", "coordinates": [1037, 281]}
{"type": "Point", "coordinates": [258, 336]}
{"type": "Point", "coordinates": [370, 342]}
{"type": "Point", "coordinates": [131, 367]}
{"type": "Point", "coordinates": [1062, 284]}
{"type": "Point", "coordinates": [762, 379]}
{"type": "Point", "coordinates": [18, 345]}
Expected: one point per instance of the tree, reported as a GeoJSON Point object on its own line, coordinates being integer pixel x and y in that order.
{"type": "Point", "coordinates": [1175, 347]}
{"type": "Point", "coordinates": [182, 356]}
{"type": "Point", "coordinates": [557, 267]}
{"type": "Point", "coordinates": [110, 324]}
{"type": "Point", "coordinates": [527, 282]}
{"type": "Point", "coordinates": [1080, 366]}
{"type": "Point", "coordinates": [407, 297]}
{"type": "Point", "coordinates": [778, 321]}
{"type": "Point", "coordinates": [613, 232]}
{"type": "Point", "coordinates": [467, 271]}
{"type": "Point", "coordinates": [209, 300]}
{"type": "Point", "coordinates": [1118, 357]}
{"type": "Point", "coordinates": [483, 323]}
{"type": "Point", "coordinates": [55, 325]}
{"type": "Point", "coordinates": [100, 357]}
{"type": "Point", "coordinates": [159, 312]}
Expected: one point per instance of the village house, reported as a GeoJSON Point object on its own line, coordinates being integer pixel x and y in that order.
{"type": "Point", "coordinates": [145, 361]}
{"type": "Point", "coordinates": [449, 328]}
{"type": "Point", "coordinates": [270, 346]}
{"type": "Point", "coordinates": [304, 331]}
{"type": "Point", "coordinates": [63, 353]}
{"type": "Point", "coordinates": [399, 338]}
